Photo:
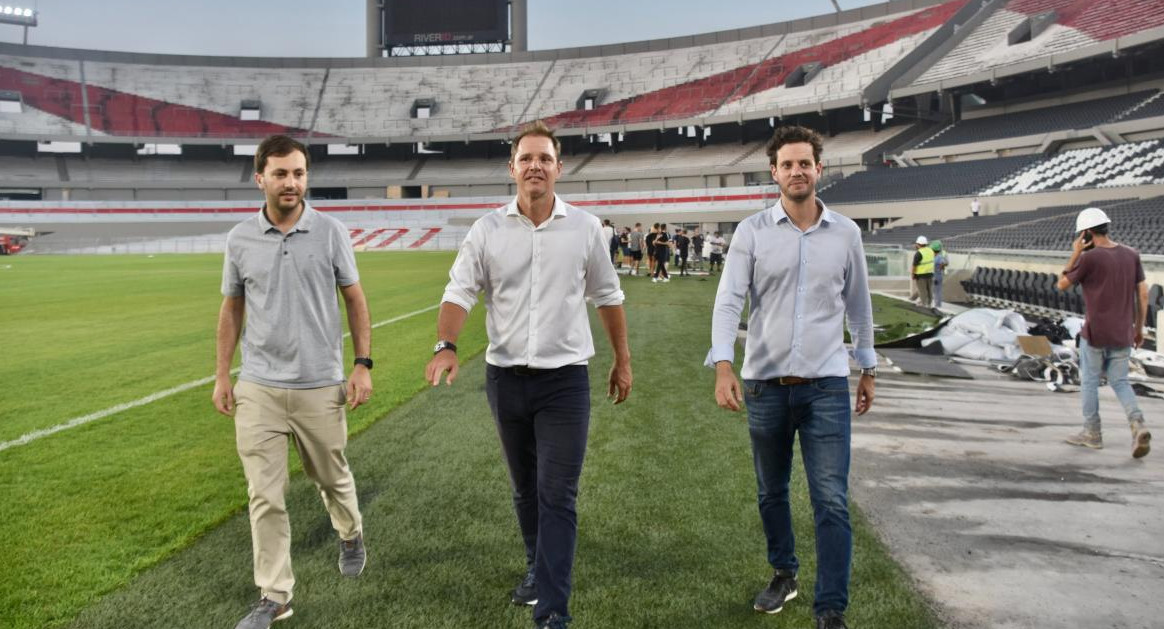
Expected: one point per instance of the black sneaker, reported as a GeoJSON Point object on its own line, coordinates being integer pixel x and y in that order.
{"type": "Point", "coordinates": [553, 621]}
{"type": "Point", "coordinates": [526, 592]}
{"type": "Point", "coordinates": [831, 620]}
{"type": "Point", "coordinates": [781, 590]}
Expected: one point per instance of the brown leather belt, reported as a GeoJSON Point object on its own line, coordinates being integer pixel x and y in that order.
{"type": "Point", "coordinates": [791, 380]}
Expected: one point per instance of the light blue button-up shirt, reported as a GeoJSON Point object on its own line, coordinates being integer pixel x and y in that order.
{"type": "Point", "coordinates": [801, 285]}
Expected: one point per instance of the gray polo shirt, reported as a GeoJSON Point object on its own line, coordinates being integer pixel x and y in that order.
{"type": "Point", "coordinates": [293, 337]}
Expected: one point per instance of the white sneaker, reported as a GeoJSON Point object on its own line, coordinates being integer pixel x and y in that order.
{"type": "Point", "coordinates": [654, 280]}
{"type": "Point", "coordinates": [666, 279]}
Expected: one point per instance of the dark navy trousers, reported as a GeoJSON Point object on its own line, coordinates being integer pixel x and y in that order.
{"type": "Point", "coordinates": [542, 418]}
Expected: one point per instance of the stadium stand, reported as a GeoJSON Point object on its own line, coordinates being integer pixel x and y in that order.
{"type": "Point", "coordinates": [1077, 23]}
{"type": "Point", "coordinates": [1083, 115]}
{"type": "Point", "coordinates": [945, 231]}
{"type": "Point", "coordinates": [1120, 165]}
{"type": "Point", "coordinates": [1027, 291]}
{"type": "Point", "coordinates": [1148, 109]}
{"type": "Point", "coordinates": [921, 182]}
{"type": "Point", "coordinates": [186, 100]}
{"type": "Point", "coordinates": [1138, 223]}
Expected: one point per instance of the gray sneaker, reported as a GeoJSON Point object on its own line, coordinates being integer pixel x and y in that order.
{"type": "Point", "coordinates": [352, 556]}
{"type": "Point", "coordinates": [1141, 439]}
{"type": "Point", "coordinates": [782, 589]}
{"type": "Point", "coordinates": [264, 613]}
{"type": "Point", "coordinates": [1087, 439]}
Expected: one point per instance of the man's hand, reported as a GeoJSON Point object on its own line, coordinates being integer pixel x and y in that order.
{"type": "Point", "coordinates": [728, 393]}
{"type": "Point", "coordinates": [620, 381]}
{"type": "Point", "coordinates": [359, 386]}
{"type": "Point", "coordinates": [1078, 245]}
{"type": "Point", "coordinates": [223, 396]}
{"type": "Point", "coordinates": [865, 388]}
{"type": "Point", "coordinates": [1139, 339]}
{"type": "Point", "coordinates": [442, 361]}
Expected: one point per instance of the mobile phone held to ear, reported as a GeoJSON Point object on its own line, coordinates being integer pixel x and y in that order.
{"type": "Point", "coordinates": [1087, 244]}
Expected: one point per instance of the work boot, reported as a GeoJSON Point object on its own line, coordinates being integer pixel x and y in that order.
{"type": "Point", "coordinates": [1141, 439]}
{"type": "Point", "coordinates": [1087, 439]}
{"type": "Point", "coordinates": [781, 590]}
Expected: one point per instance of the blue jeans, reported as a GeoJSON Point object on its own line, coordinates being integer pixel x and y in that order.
{"type": "Point", "coordinates": [1112, 361]}
{"type": "Point", "coordinates": [542, 419]}
{"type": "Point", "coordinates": [937, 292]}
{"type": "Point", "coordinates": [820, 412]}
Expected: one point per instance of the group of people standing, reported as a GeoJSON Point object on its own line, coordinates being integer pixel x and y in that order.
{"type": "Point", "coordinates": [630, 246]}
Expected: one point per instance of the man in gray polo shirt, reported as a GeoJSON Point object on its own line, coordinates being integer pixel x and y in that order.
{"type": "Point", "coordinates": [281, 269]}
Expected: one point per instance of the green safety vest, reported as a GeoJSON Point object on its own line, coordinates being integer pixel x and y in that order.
{"type": "Point", "coordinates": [927, 263]}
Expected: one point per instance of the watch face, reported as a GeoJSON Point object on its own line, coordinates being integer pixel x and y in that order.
{"type": "Point", "coordinates": [438, 347]}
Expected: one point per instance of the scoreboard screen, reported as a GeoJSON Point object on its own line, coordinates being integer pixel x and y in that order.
{"type": "Point", "coordinates": [445, 22]}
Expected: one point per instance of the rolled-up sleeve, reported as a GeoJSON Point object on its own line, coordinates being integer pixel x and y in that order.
{"type": "Point", "coordinates": [729, 297]}
{"type": "Point", "coordinates": [467, 276]}
{"type": "Point", "coordinates": [859, 305]}
{"type": "Point", "coordinates": [602, 285]}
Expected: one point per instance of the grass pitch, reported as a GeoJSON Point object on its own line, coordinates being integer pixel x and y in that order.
{"type": "Point", "coordinates": [137, 520]}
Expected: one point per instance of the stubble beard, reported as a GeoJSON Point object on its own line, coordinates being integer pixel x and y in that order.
{"type": "Point", "coordinates": [798, 197]}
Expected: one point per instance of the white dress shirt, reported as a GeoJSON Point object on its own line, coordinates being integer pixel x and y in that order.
{"type": "Point", "coordinates": [801, 284]}
{"type": "Point", "coordinates": [536, 281]}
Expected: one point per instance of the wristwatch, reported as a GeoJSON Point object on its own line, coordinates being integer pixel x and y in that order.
{"type": "Point", "coordinates": [869, 371]}
{"type": "Point", "coordinates": [365, 361]}
{"type": "Point", "coordinates": [443, 345]}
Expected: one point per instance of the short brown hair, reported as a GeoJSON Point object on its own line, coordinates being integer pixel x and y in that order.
{"type": "Point", "coordinates": [536, 127]}
{"type": "Point", "coordinates": [794, 134]}
{"type": "Point", "coordinates": [278, 146]}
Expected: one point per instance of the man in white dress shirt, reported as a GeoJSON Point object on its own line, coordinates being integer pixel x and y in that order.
{"type": "Point", "coordinates": [538, 260]}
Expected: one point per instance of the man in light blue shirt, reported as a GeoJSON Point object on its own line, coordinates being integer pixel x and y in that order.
{"type": "Point", "coordinates": [803, 268]}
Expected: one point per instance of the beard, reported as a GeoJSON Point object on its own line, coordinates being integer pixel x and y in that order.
{"type": "Point", "coordinates": [798, 197]}
{"type": "Point", "coordinates": [285, 208]}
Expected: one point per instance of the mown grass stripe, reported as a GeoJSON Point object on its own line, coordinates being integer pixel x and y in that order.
{"type": "Point", "coordinates": [153, 397]}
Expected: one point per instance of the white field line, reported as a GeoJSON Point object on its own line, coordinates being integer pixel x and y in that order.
{"type": "Point", "coordinates": [153, 397]}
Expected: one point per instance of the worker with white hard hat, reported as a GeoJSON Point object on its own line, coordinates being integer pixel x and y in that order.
{"type": "Point", "coordinates": [923, 271]}
{"type": "Point", "coordinates": [1115, 298]}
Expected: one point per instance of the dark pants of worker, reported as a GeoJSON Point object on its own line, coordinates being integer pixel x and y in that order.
{"type": "Point", "coordinates": [542, 418]}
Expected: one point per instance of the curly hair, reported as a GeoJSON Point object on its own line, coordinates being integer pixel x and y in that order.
{"type": "Point", "coordinates": [793, 134]}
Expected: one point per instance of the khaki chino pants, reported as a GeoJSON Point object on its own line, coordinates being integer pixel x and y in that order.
{"type": "Point", "coordinates": [315, 418]}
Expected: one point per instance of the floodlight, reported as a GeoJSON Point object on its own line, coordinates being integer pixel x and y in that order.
{"type": "Point", "coordinates": [18, 16]}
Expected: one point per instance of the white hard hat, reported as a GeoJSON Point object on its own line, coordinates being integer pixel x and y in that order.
{"type": "Point", "coordinates": [921, 240]}
{"type": "Point", "coordinates": [1089, 218]}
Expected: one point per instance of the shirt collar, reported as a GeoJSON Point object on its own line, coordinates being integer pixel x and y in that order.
{"type": "Point", "coordinates": [304, 224]}
{"type": "Point", "coordinates": [778, 213]}
{"type": "Point", "coordinates": [558, 211]}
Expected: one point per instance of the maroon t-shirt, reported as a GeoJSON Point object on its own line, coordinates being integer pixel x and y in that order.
{"type": "Point", "coordinates": [1108, 276]}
